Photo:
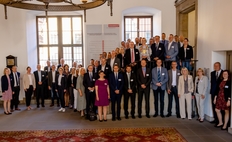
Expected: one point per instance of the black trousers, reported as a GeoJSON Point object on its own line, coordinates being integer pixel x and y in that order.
{"type": "Point", "coordinates": [40, 94]}
{"type": "Point", "coordinates": [90, 100]}
{"type": "Point", "coordinates": [28, 95]}
{"type": "Point", "coordinates": [170, 98]}
{"type": "Point", "coordinates": [54, 94]}
{"type": "Point", "coordinates": [126, 100]}
{"type": "Point", "coordinates": [15, 98]}
{"type": "Point", "coordinates": [71, 96]}
{"type": "Point", "coordinates": [115, 98]}
{"type": "Point", "coordinates": [159, 93]}
{"type": "Point", "coordinates": [146, 93]}
{"type": "Point", "coordinates": [61, 96]}
{"type": "Point", "coordinates": [46, 91]}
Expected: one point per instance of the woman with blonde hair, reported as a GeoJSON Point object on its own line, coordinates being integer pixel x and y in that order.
{"type": "Point", "coordinates": [185, 90]}
{"type": "Point", "coordinates": [144, 50]}
{"type": "Point", "coordinates": [201, 85]}
{"type": "Point", "coordinates": [7, 85]}
{"type": "Point", "coordinates": [81, 100]}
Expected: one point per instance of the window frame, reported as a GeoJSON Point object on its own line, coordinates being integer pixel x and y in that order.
{"type": "Point", "coordinates": [138, 17]}
{"type": "Point", "coordinates": [60, 44]}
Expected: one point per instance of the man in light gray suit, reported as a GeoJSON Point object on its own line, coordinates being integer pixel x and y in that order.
{"type": "Point", "coordinates": [171, 51]}
{"type": "Point", "coordinates": [114, 61]}
{"type": "Point", "coordinates": [159, 80]}
{"type": "Point", "coordinates": [172, 85]}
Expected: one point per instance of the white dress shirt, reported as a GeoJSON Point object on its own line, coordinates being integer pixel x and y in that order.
{"type": "Point", "coordinates": [169, 45]}
{"type": "Point", "coordinates": [173, 77]}
{"type": "Point", "coordinates": [53, 76]}
{"type": "Point", "coordinates": [30, 79]}
{"type": "Point", "coordinates": [59, 80]}
{"type": "Point", "coordinates": [103, 67]}
{"type": "Point", "coordinates": [112, 62]}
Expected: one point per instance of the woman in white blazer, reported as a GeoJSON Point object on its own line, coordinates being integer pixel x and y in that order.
{"type": "Point", "coordinates": [185, 90]}
{"type": "Point", "coordinates": [29, 86]}
{"type": "Point", "coordinates": [201, 85]}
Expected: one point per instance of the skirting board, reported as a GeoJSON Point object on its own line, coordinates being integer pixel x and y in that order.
{"type": "Point", "coordinates": [230, 130]}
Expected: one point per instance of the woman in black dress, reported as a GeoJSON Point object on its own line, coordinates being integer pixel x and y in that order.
{"type": "Point", "coordinates": [222, 99]}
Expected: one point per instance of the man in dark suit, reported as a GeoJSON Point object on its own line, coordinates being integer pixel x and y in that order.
{"type": "Point", "coordinates": [116, 81]}
{"type": "Point", "coordinates": [89, 82]}
{"type": "Point", "coordinates": [61, 63]}
{"type": "Point", "coordinates": [144, 81]}
{"type": "Point", "coordinates": [16, 88]}
{"type": "Point", "coordinates": [157, 49]}
{"type": "Point", "coordinates": [132, 56]}
{"type": "Point", "coordinates": [186, 54]}
{"type": "Point", "coordinates": [159, 81]}
{"type": "Point", "coordinates": [163, 40]}
{"type": "Point", "coordinates": [113, 61]}
{"type": "Point", "coordinates": [47, 69]}
{"type": "Point", "coordinates": [52, 85]}
{"type": "Point", "coordinates": [172, 85]}
{"type": "Point", "coordinates": [40, 78]}
{"type": "Point", "coordinates": [215, 80]}
{"type": "Point", "coordinates": [105, 67]}
{"type": "Point", "coordinates": [129, 91]}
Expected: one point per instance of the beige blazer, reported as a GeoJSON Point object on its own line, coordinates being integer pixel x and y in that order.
{"type": "Point", "coordinates": [181, 84]}
{"type": "Point", "coordinates": [202, 85]}
{"type": "Point", "coordinates": [26, 81]}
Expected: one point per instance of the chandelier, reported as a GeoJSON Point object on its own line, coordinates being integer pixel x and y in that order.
{"type": "Point", "coordinates": [55, 5]}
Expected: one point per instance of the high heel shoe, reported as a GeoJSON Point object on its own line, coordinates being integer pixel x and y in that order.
{"type": "Point", "coordinates": [6, 113]}
{"type": "Point", "coordinates": [105, 120]}
{"type": "Point", "coordinates": [100, 120]}
{"type": "Point", "coordinates": [224, 128]}
{"type": "Point", "coordinates": [9, 112]}
{"type": "Point", "coordinates": [218, 126]}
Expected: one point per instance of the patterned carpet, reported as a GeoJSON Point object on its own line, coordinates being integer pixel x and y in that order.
{"type": "Point", "coordinates": [95, 135]}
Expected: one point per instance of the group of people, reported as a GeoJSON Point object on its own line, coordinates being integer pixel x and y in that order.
{"type": "Point", "coordinates": [126, 73]}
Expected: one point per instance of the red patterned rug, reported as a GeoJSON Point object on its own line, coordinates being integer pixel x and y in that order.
{"type": "Point", "coordinates": [95, 135]}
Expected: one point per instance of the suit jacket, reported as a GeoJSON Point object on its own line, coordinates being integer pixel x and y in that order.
{"type": "Point", "coordinates": [163, 78]}
{"type": "Point", "coordinates": [26, 81]}
{"type": "Point", "coordinates": [5, 84]}
{"type": "Point", "coordinates": [144, 80]}
{"type": "Point", "coordinates": [113, 85]}
{"type": "Point", "coordinates": [14, 81]}
{"type": "Point", "coordinates": [214, 82]}
{"type": "Point", "coordinates": [132, 82]}
{"type": "Point", "coordinates": [69, 80]}
{"type": "Point", "coordinates": [202, 85]}
{"type": "Point", "coordinates": [87, 82]}
{"type": "Point", "coordinates": [46, 69]}
{"type": "Point", "coordinates": [227, 89]}
{"type": "Point", "coordinates": [173, 51]}
{"type": "Point", "coordinates": [181, 85]}
{"type": "Point", "coordinates": [107, 70]}
{"type": "Point", "coordinates": [50, 78]}
{"type": "Point", "coordinates": [59, 66]}
{"type": "Point", "coordinates": [169, 84]}
{"type": "Point", "coordinates": [43, 77]}
{"type": "Point", "coordinates": [128, 56]}
{"type": "Point", "coordinates": [116, 62]}
{"type": "Point", "coordinates": [189, 53]}
{"type": "Point", "coordinates": [157, 52]}
{"type": "Point", "coordinates": [122, 60]}
{"type": "Point", "coordinates": [164, 42]}
{"type": "Point", "coordinates": [63, 82]}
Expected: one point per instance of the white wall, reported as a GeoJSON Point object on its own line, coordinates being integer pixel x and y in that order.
{"type": "Point", "coordinates": [214, 32]}
{"type": "Point", "coordinates": [192, 27]}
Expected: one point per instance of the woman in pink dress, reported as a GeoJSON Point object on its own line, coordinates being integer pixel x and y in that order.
{"type": "Point", "coordinates": [222, 99]}
{"type": "Point", "coordinates": [7, 85]}
{"type": "Point", "coordinates": [102, 95]}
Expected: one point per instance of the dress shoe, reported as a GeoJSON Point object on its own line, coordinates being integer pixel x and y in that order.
{"type": "Point", "coordinates": [11, 110]}
{"type": "Point", "coordinates": [162, 115]}
{"type": "Point", "coordinates": [155, 115]}
{"type": "Point", "coordinates": [126, 117]}
{"type": "Point", "coordinates": [43, 106]}
{"type": "Point", "coordinates": [219, 126]}
{"type": "Point", "coordinates": [37, 106]}
{"type": "Point", "coordinates": [113, 119]}
{"type": "Point", "coordinates": [140, 116]}
{"type": "Point", "coordinates": [148, 116]}
{"type": "Point", "coordinates": [105, 120]}
{"type": "Point", "coordinates": [168, 115]}
{"type": "Point", "coordinates": [58, 105]}
{"type": "Point", "coordinates": [75, 110]}
{"type": "Point", "coordinates": [51, 105]}
{"type": "Point", "coordinates": [18, 109]}
{"type": "Point", "coordinates": [133, 117]}
{"type": "Point", "coordinates": [178, 116]}
{"type": "Point", "coordinates": [119, 119]}
{"type": "Point", "coordinates": [100, 120]}
{"type": "Point", "coordinates": [6, 113]}
{"type": "Point", "coordinates": [224, 128]}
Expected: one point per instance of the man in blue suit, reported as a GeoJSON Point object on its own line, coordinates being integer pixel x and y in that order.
{"type": "Point", "coordinates": [159, 80]}
{"type": "Point", "coordinates": [116, 80]}
{"type": "Point", "coordinates": [171, 51]}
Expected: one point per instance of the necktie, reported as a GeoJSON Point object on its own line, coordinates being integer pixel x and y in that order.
{"type": "Point", "coordinates": [95, 69]}
{"type": "Point", "coordinates": [159, 77]}
{"type": "Point", "coordinates": [129, 80]}
{"type": "Point", "coordinates": [116, 80]}
{"type": "Point", "coordinates": [216, 75]}
{"type": "Point", "coordinates": [16, 77]}
{"type": "Point", "coordinates": [39, 73]}
{"type": "Point", "coordinates": [143, 72]}
{"type": "Point", "coordinates": [90, 76]}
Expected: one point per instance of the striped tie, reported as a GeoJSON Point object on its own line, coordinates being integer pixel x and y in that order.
{"type": "Point", "coordinates": [159, 77]}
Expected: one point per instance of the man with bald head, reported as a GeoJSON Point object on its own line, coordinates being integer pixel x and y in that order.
{"type": "Point", "coordinates": [40, 78]}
